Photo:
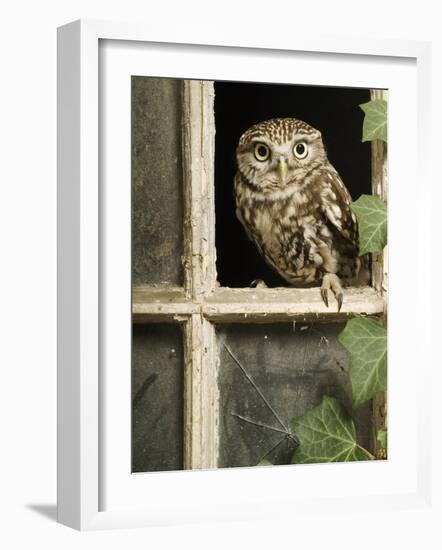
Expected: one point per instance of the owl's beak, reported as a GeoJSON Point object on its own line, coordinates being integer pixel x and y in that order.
{"type": "Point", "coordinates": [282, 170]}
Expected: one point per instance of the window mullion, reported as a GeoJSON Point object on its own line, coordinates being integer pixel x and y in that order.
{"type": "Point", "coordinates": [379, 180]}
{"type": "Point", "coordinates": [201, 395]}
{"type": "Point", "coordinates": [198, 142]}
{"type": "Point", "coordinates": [379, 177]}
{"type": "Point", "coordinates": [200, 439]}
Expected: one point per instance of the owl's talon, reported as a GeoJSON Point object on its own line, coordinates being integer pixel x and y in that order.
{"type": "Point", "coordinates": [331, 282]}
{"type": "Point", "coordinates": [340, 299]}
{"type": "Point", "coordinates": [258, 283]}
{"type": "Point", "coordinates": [324, 294]}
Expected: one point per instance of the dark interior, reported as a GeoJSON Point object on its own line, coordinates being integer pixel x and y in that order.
{"type": "Point", "coordinates": [333, 111]}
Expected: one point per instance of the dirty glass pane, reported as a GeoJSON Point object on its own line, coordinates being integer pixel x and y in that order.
{"type": "Point", "coordinates": [157, 398]}
{"type": "Point", "coordinates": [284, 371]}
{"type": "Point", "coordinates": [157, 213]}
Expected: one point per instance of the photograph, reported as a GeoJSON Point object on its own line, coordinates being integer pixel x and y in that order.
{"type": "Point", "coordinates": [259, 274]}
{"type": "Point", "coordinates": [224, 220]}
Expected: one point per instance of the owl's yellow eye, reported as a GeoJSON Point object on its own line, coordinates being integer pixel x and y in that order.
{"type": "Point", "coordinates": [300, 150]}
{"type": "Point", "coordinates": [262, 152]}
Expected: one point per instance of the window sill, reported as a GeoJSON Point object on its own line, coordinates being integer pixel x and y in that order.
{"type": "Point", "coordinates": [254, 304]}
{"type": "Point", "coordinates": [280, 304]}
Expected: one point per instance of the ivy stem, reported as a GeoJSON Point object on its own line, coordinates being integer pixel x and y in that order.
{"type": "Point", "coordinates": [370, 456]}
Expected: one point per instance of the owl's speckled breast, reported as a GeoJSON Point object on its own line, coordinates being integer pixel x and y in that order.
{"type": "Point", "coordinates": [293, 236]}
{"type": "Point", "coordinates": [294, 205]}
{"type": "Point", "coordinates": [286, 241]}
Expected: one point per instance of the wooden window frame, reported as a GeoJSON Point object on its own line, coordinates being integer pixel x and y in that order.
{"type": "Point", "coordinates": [202, 303]}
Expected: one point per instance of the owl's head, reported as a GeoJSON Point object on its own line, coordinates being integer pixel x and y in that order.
{"type": "Point", "coordinates": [276, 154]}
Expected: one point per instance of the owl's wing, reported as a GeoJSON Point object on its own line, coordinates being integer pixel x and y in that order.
{"type": "Point", "coordinates": [335, 203]}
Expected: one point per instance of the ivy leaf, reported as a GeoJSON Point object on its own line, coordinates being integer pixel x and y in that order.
{"type": "Point", "coordinates": [371, 212]}
{"type": "Point", "coordinates": [327, 434]}
{"type": "Point", "coordinates": [366, 341]}
{"type": "Point", "coordinates": [375, 120]}
{"type": "Point", "coordinates": [382, 437]}
{"type": "Point", "coordinates": [265, 462]}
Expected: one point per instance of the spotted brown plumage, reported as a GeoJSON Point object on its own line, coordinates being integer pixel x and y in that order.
{"type": "Point", "coordinates": [295, 207]}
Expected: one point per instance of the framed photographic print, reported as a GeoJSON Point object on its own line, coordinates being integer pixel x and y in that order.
{"type": "Point", "coordinates": [226, 276]}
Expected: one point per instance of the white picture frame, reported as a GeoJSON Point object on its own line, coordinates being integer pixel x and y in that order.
{"type": "Point", "coordinates": [402, 481]}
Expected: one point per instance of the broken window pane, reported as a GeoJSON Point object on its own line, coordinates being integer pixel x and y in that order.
{"type": "Point", "coordinates": [270, 374]}
{"type": "Point", "coordinates": [157, 213]}
{"type": "Point", "coordinates": [157, 398]}
{"type": "Point", "coordinates": [238, 105]}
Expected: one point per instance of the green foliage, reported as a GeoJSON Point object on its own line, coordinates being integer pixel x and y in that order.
{"type": "Point", "coordinates": [265, 462]}
{"type": "Point", "coordinates": [382, 438]}
{"type": "Point", "coordinates": [375, 120]}
{"type": "Point", "coordinates": [366, 342]}
{"type": "Point", "coordinates": [371, 213]}
{"type": "Point", "coordinates": [326, 434]}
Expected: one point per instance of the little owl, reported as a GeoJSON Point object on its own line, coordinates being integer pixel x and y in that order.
{"type": "Point", "coordinates": [295, 207]}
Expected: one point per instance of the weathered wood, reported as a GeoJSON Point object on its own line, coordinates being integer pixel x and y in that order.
{"type": "Point", "coordinates": [201, 395]}
{"type": "Point", "coordinates": [379, 404]}
{"type": "Point", "coordinates": [379, 174]}
{"type": "Point", "coordinates": [253, 305]}
{"type": "Point", "coordinates": [165, 304]}
{"type": "Point", "coordinates": [379, 168]}
{"type": "Point", "coordinates": [282, 304]}
{"type": "Point", "coordinates": [198, 156]}
{"type": "Point", "coordinates": [200, 440]}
